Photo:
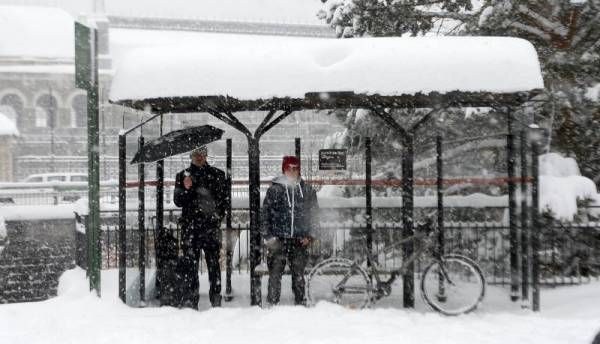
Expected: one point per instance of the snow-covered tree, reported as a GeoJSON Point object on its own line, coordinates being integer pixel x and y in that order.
{"type": "Point", "coordinates": [566, 34]}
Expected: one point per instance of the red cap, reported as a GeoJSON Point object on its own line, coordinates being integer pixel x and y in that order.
{"type": "Point", "coordinates": [290, 162]}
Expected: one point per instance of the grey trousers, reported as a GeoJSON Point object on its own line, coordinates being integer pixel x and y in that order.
{"type": "Point", "coordinates": [288, 251]}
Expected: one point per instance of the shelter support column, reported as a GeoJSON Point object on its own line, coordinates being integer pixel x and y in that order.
{"type": "Point", "coordinates": [368, 196]}
{"type": "Point", "coordinates": [160, 179]}
{"type": "Point", "coordinates": [535, 226]}
{"type": "Point", "coordinates": [525, 229]}
{"type": "Point", "coordinates": [408, 279]}
{"type": "Point", "coordinates": [255, 237]}
{"type": "Point", "coordinates": [512, 210]}
{"type": "Point", "coordinates": [440, 213]}
{"type": "Point", "coordinates": [142, 225]}
{"type": "Point", "coordinates": [228, 230]}
{"type": "Point", "coordinates": [122, 217]}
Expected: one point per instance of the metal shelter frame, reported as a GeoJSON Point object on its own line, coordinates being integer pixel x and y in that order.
{"type": "Point", "coordinates": [277, 109]}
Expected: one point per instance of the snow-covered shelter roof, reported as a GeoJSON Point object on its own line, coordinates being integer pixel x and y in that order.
{"type": "Point", "coordinates": [306, 73]}
{"type": "Point", "coordinates": [7, 126]}
{"type": "Point", "coordinates": [36, 32]}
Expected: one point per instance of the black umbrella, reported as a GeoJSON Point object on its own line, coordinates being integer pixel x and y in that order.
{"type": "Point", "coordinates": [177, 142]}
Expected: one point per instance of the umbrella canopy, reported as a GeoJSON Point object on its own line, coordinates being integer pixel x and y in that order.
{"type": "Point", "coordinates": [177, 142]}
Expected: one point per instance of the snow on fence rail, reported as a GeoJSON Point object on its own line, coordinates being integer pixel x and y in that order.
{"type": "Point", "coordinates": [69, 192]}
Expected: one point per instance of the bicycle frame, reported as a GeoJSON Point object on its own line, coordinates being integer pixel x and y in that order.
{"type": "Point", "coordinates": [373, 266]}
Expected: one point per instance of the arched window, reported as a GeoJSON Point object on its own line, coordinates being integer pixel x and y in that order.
{"type": "Point", "coordinates": [11, 105]}
{"type": "Point", "coordinates": [45, 111]}
{"type": "Point", "coordinates": [79, 111]}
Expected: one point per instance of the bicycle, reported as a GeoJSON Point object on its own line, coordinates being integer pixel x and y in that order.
{"type": "Point", "coordinates": [451, 284]}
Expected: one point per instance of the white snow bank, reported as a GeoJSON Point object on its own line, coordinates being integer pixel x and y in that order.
{"type": "Point", "coordinates": [257, 68]}
{"type": "Point", "coordinates": [72, 283]}
{"type": "Point", "coordinates": [30, 31]}
{"type": "Point", "coordinates": [569, 315]}
{"type": "Point", "coordinates": [7, 126]}
{"type": "Point", "coordinates": [561, 185]}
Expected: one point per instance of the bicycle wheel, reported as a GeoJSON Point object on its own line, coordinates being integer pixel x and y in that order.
{"type": "Point", "coordinates": [456, 286]}
{"type": "Point", "coordinates": [340, 281]}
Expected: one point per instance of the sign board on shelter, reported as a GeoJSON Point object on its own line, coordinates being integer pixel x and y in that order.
{"type": "Point", "coordinates": [332, 159]}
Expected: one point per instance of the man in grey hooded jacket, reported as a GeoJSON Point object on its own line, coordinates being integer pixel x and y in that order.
{"type": "Point", "coordinates": [288, 216]}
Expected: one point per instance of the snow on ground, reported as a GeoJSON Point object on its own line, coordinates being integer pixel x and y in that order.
{"type": "Point", "coordinates": [570, 315]}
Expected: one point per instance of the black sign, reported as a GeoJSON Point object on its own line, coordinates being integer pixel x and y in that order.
{"type": "Point", "coordinates": [332, 159]}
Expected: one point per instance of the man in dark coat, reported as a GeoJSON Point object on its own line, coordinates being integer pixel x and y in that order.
{"type": "Point", "coordinates": [201, 191]}
{"type": "Point", "coordinates": [288, 216]}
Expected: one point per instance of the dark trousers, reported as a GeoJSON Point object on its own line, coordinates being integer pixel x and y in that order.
{"type": "Point", "coordinates": [292, 252]}
{"type": "Point", "coordinates": [192, 244]}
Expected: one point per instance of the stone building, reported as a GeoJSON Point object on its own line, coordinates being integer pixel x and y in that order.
{"type": "Point", "coordinates": [38, 94]}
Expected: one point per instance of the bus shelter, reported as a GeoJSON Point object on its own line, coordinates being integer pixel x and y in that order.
{"type": "Point", "coordinates": [229, 77]}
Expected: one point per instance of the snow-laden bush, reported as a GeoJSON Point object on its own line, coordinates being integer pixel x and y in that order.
{"type": "Point", "coordinates": [562, 186]}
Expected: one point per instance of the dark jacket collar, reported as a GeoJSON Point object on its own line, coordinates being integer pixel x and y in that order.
{"type": "Point", "coordinates": [193, 167]}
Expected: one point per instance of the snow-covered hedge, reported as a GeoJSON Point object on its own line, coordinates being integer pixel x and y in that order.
{"type": "Point", "coordinates": [562, 185]}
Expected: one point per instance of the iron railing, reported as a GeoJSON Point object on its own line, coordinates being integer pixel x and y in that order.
{"type": "Point", "coordinates": [570, 252]}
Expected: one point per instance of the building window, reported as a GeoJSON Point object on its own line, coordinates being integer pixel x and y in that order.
{"type": "Point", "coordinates": [79, 111]}
{"type": "Point", "coordinates": [46, 111]}
{"type": "Point", "coordinates": [11, 105]}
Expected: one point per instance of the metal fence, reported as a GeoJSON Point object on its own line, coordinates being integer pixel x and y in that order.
{"type": "Point", "coordinates": [570, 252]}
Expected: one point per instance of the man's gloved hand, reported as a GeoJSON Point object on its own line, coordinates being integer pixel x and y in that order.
{"type": "Point", "coordinates": [271, 243]}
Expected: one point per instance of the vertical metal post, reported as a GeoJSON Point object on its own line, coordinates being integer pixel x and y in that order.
{"type": "Point", "coordinates": [512, 214]}
{"type": "Point", "coordinates": [524, 222]}
{"type": "Point", "coordinates": [440, 213]}
{"type": "Point", "coordinates": [408, 278]}
{"type": "Point", "coordinates": [440, 193]}
{"type": "Point", "coordinates": [141, 225]}
{"type": "Point", "coordinates": [298, 148]}
{"type": "Point", "coordinates": [94, 172]}
{"type": "Point", "coordinates": [122, 216]}
{"type": "Point", "coordinates": [160, 192]}
{"type": "Point", "coordinates": [228, 233]}
{"type": "Point", "coordinates": [535, 228]}
{"type": "Point", "coordinates": [368, 196]}
{"type": "Point", "coordinates": [255, 237]}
